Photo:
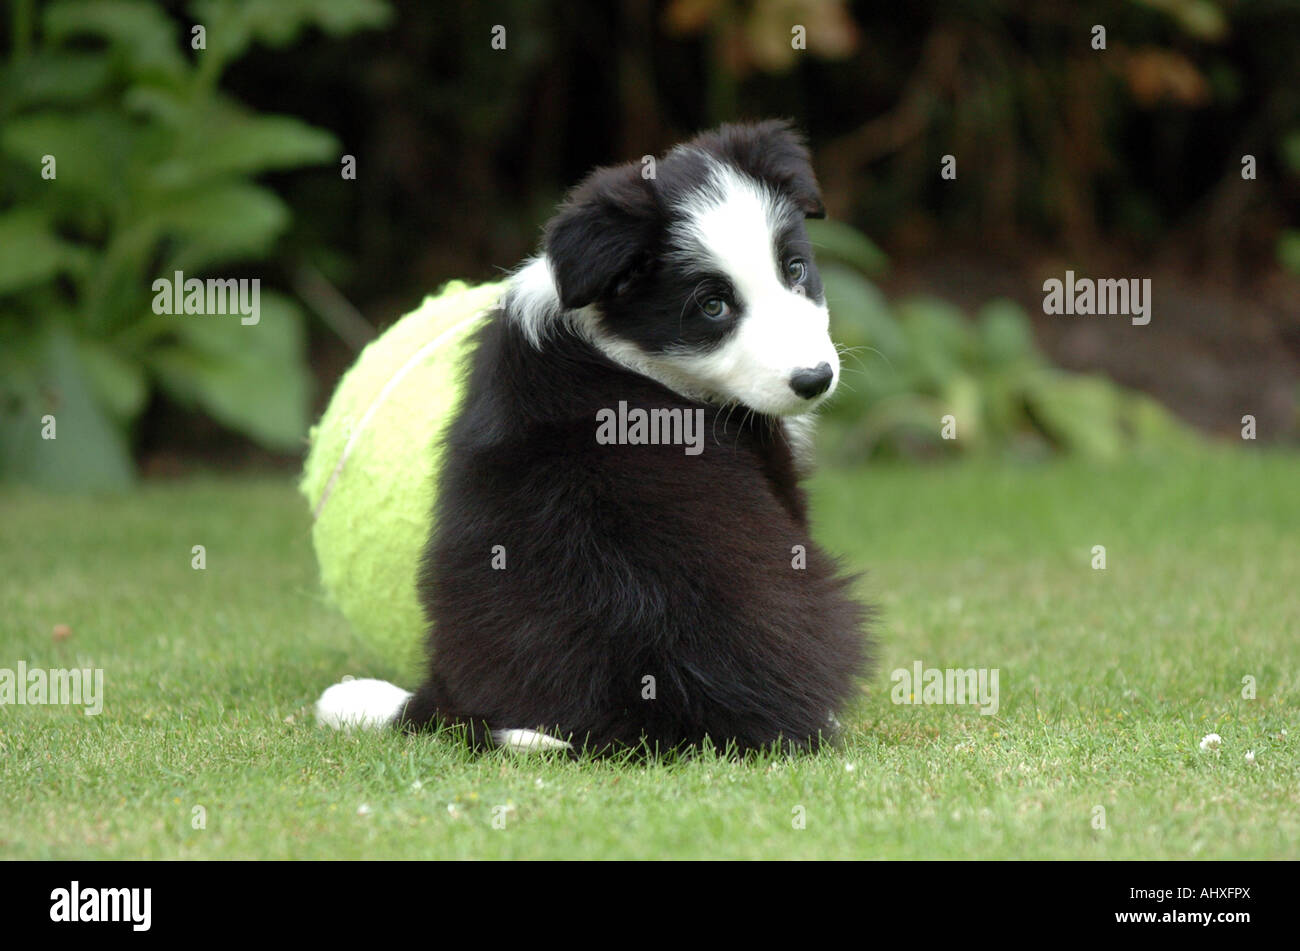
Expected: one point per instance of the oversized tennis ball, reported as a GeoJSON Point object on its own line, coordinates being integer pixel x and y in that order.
{"type": "Point", "coordinates": [370, 471]}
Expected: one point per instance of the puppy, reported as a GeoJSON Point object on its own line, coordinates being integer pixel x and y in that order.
{"type": "Point", "coordinates": [620, 554]}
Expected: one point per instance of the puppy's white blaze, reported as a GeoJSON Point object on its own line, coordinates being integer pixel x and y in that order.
{"type": "Point", "coordinates": [732, 223]}
{"type": "Point", "coordinates": [527, 741]}
{"type": "Point", "coordinates": [366, 704]}
{"type": "Point", "coordinates": [532, 298]}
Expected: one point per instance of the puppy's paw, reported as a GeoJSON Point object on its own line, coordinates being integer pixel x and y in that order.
{"type": "Point", "coordinates": [365, 704]}
{"type": "Point", "coordinates": [527, 741]}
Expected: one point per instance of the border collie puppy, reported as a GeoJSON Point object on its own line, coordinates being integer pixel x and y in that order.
{"type": "Point", "coordinates": [621, 553]}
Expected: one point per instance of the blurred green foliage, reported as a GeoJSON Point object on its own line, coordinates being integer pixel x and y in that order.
{"type": "Point", "coordinates": [1064, 149]}
{"type": "Point", "coordinates": [911, 363]}
{"type": "Point", "coordinates": [123, 162]}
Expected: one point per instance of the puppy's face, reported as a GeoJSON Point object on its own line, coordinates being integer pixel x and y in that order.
{"type": "Point", "coordinates": [702, 276]}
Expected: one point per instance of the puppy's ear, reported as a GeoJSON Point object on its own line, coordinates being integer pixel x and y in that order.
{"type": "Point", "coordinates": [773, 151]}
{"type": "Point", "coordinates": [603, 234]}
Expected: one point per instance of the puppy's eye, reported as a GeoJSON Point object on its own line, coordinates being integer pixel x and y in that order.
{"type": "Point", "coordinates": [796, 270]}
{"type": "Point", "coordinates": [715, 308]}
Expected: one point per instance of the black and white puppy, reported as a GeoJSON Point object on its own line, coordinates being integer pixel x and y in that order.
{"type": "Point", "coordinates": [599, 589]}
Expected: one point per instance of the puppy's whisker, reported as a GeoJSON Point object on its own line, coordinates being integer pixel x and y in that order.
{"type": "Point", "coordinates": [852, 351]}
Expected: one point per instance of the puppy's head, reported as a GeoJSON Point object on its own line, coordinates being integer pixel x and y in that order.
{"type": "Point", "coordinates": [699, 273]}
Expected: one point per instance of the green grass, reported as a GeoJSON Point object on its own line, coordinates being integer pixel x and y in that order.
{"type": "Point", "coordinates": [1108, 681]}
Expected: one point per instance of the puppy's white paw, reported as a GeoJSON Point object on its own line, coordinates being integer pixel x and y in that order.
{"type": "Point", "coordinates": [366, 704]}
{"type": "Point", "coordinates": [527, 741]}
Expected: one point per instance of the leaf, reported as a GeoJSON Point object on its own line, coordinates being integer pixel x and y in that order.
{"type": "Point", "coordinates": [119, 385]}
{"type": "Point", "coordinates": [1202, 19]}
{"type": "Point", "coordinates": [56, 77]}
{"type": "Point", "coordinates": [33, 254]}
{"type": "Point", "coordinates": [1158, 75]}
{"type": "Point", "coordinates": [1005, 334]}
{"type": "Point", "coordinates": [233, 25]}
{"type": "Point", "coordinates": [1002, 392]}
{"type": "Point", "coordinates": [1152, 429]}
{"type": "Point", "coordinates": [252, 378]}
{"type": "Point", "coordinates": [222, 141]}
{"type": "Point", "coordinates": [860, 315]}
{"type": "Point", "coordinates": [961, 397]}
{"type": "Point", "coordinates": [148, 38]}
{"type": "Point", "coordinates": [88, 451]}
{"type": "Point", "coordinates": [93, 150]}
{"type": "Point", "coordinates": [219, 224]}
{"type": "Point", "coordinates": [940, 339]}
{"type": "Point", "coordinates": [911, 413]}
{"type": "Point", "coordinates": [1079, 413]}
{"type": "Point", "coordinates": [844, 243]}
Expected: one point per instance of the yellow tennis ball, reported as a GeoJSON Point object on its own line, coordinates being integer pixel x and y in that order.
{"type": "Point", "coordinates": [371, 468]}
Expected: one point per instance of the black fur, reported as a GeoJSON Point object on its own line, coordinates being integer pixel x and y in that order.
{"type": "Point", "coordinates": [628, 562]}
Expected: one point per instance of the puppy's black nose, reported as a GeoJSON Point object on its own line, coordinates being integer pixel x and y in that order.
{"type": "Point", "coordinates": [812, 381]}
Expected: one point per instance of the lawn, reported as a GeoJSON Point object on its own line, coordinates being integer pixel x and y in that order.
{"type": "Point", "coordinates": [1108, 681]}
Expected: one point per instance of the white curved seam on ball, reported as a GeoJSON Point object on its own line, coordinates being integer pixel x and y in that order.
{"type": "Point", "coordinates": [378, 401]}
